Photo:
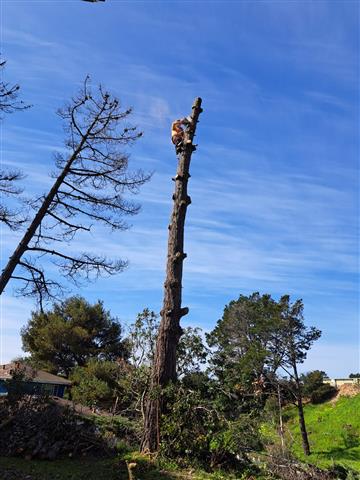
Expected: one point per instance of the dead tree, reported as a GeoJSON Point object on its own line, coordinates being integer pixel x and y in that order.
{"type": "Point", "coordinates": [164, 369]}
{"type": "Point", "coordinates": [9, 95]}
{"type": "Point", "coordinates": [12, 218]}
{"type": "Point", "coordinates": [9, 103]}
{"type": "Point", "coordinates": [89, 189]}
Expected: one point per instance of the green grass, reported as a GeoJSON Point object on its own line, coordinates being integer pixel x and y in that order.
{"type": "Point", "coordinates": [69, 469]}
{"type": "Point", "coordinates": [100, 469]}
{"type": "Point", "coordinates": [80, 469]}
{"type": "Point", "coordinates": [334, 433]}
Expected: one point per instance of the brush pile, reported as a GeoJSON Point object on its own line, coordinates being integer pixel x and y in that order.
{"type": "Point", "coordinates": [287, 468]}
{"type": "Point", "coordinates": [36, 428]}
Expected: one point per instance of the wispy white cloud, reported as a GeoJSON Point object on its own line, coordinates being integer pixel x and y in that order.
{"type": "Point", "coordinates": [328, 99]}
{"type": "Point", "coordinates": [24, 39]}
{"type": "Point", "coordinates": [274, 178]}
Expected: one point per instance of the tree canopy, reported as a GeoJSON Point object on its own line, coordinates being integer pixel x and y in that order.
{"type": "Point", "coordinates": [242, 339]}
{"type": "Point", "coordinates": [71, 334]}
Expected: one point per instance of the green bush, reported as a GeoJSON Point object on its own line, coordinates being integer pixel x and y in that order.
{"type": "Point", "coordinates": [123, 428]}
{"type": "Point", "coordinates": [352, 476]}
{"type": "Point", "coordinates": [350, 436]}
{"type": "Point", "coordinates": [340, 472]}
{"type": "Point", "coordinates": [187, 427]}
{"type": "Point", "coordinates": [142, 464]}
{"type": "Point", "coordinates": [311, 381]}
{"type": "Point", "coordinates": [229, 446]}
{"type": "Point", "coordinates": [195, 433]}
{"type": "Point", "coordinates": [323, 393]}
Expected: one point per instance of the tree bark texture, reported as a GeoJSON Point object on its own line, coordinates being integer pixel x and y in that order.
{"type": "Point", "coordinates": [304, 435]}
{"type": "Point", "coordinates": [164, 368]}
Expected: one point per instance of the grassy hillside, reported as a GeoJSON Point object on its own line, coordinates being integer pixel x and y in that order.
{"type": "Point", "coordinates": [334, 432]}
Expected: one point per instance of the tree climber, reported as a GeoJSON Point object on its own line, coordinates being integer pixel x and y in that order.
{"type": "Point", "coordinates": [177, 132]}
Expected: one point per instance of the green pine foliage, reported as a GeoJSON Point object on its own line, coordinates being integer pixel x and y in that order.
{"type": "Point", "coordinates": [72, 333]}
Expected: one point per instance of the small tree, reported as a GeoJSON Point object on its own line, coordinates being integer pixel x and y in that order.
{"type": "Point", "coordinates": [136, 379]}
{"type": "Point", "coordinates": [255, 338]}
{"type": "Point", "coordinates": [191, 352]}
{"type": "Point", "coordinates": [71, 334]}
{"type": "Point", "coordinates": [241, 341]}
{"type": "Point", "coordinates": [311, 381]}
{"type": "Point", "coordinates": [16, 386]}
{"type": "Point", "coordinates": [143, 332]}
{"type": "Point", "coordinates": [142, 338]}
{"type": "Point", "coordinates": [89, 188]}
{"type": "Point", "coordinates": [95, 383]}
{"type": "Point", "coordinates": [293, 340]}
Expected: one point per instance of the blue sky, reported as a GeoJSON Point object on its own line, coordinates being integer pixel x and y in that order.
{"type": "Point", "coordinates": [274, 182]}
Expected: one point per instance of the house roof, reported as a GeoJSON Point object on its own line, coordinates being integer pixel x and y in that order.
{"type": "Point", "coordinates": [37, 376]}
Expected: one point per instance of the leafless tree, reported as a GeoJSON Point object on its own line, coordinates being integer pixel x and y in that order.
{"type": "Point", "coordinates": [9, 103]}
{"type": "Point", "coordinates": [9, 95]}
{"type": "Point", "coordinates": [90, 186]}
{"type": "Point", "coordinates": [13, 219]}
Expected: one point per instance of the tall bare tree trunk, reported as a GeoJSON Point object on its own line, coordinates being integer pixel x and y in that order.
{"type": "Point", "coordinates": [164, 368]}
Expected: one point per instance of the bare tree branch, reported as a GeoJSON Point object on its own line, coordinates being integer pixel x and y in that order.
{"type": "Point", "coordinates": [12, 218]}
{"type": "Point", "coordinates": [10, 103]}
{"type": "Point", "coordinates": [90, 187]}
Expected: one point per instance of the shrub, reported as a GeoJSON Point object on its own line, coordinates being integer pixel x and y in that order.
{"type": "Point", "coordinates": [18, 386]}
{"type": "Point", "coordinates": [187, 426]}
{"type": "Point", "coordinates": [125, 429]}
{"type": "Point", "coordinates": [340, 472]}
{"type": "Point", "coordinates": [139, 464]}
{"type": "Point", "coordinates": [195, 433]}
{"type": "Point", "coordinates": [271, 410]}
{"type": "Point", "coordinates": [323, 393]}
{"type": "Point", "coordinates": [229, 446]}
{"type": "Point", "coordinates": [350, 436]}
{"type": "Point", "coordinates": [352, 476]}
{"type": "Point", "coordinates": [312, 381]}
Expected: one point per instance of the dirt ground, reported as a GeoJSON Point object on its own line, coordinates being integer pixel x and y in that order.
{"type": "Point", "coordinates": [347, 390]}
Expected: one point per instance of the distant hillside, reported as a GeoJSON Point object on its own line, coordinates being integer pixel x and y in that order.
{"type": "Point", "coordinates": [334, 432]}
